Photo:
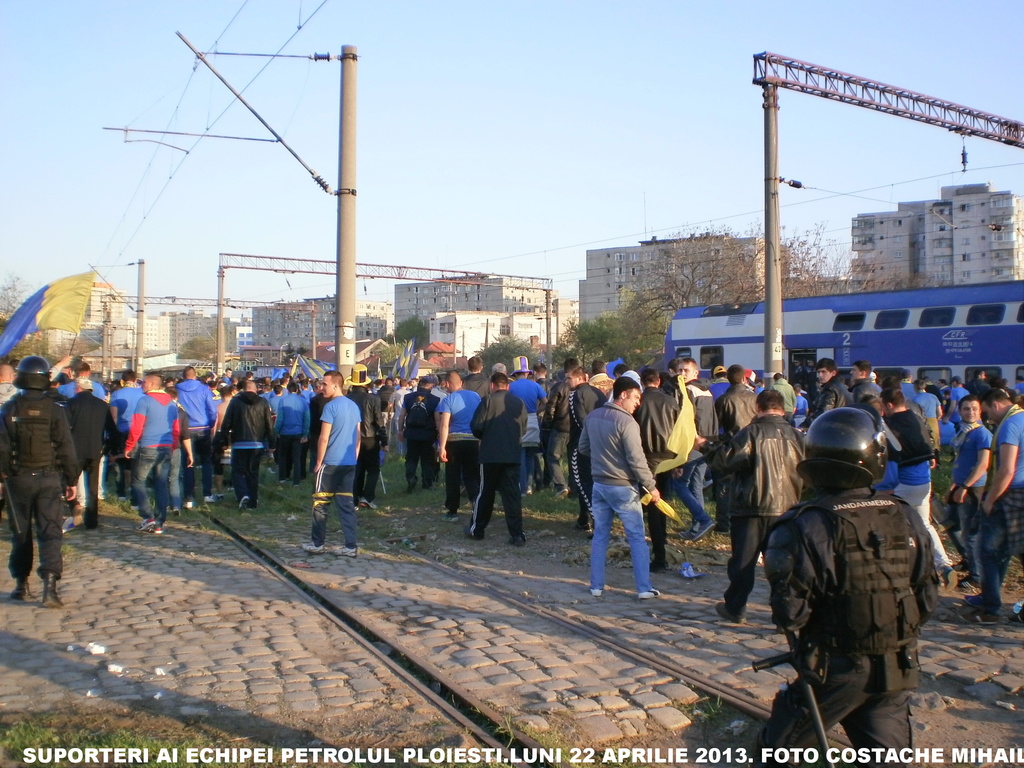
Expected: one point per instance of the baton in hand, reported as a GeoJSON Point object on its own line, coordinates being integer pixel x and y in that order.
{"type": "Point", "coordinates": [805, 685]}
{"type": "Point", "coordinates": [15, 522]}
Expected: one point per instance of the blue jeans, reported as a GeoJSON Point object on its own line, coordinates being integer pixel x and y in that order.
{"type": "Point", "coordinates": [994, 554]}
{"type": "Point", "coordinates": [155, 462]}
{"type": "Point", "coordinates": [174, 478]}
{"type": "Point", "coordinates": [690, 489]}
{"type": "Point", "coordinates": [334, 483]}
{"type": "Point", "coordinates": [529, 468]}
{"type": "Point", "coordinates": [624, 501]}
{"type": "Point", "coordinates": [202, 453]}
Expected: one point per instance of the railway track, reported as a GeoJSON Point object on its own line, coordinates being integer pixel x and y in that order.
{"type": "Point", "coordinates": [491, 731]}
{"type": "Point", "coordinates": [489, 727]}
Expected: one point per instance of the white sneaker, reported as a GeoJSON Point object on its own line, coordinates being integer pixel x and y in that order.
{"type": "Point", "coordinates": [596, 592]}
{"type": "Point", "coordinates": [210, 499]}
{"type": "Point", "coordinates": [345, 551]}
{"type": "Point", "coordinates": [244, 503]}
{"type": "Point", "coordinates": [313, 549]}
{"type": "Point", "coordinates": [648, 595]}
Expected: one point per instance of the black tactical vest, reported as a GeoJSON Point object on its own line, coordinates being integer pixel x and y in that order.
{"type": "Point", "coordinates": [29, 424]}
{"type": "Point", "coordinates": [875, 610]}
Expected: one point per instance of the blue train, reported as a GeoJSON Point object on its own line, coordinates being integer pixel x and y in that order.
{"type": "Point", "coordinates": [936, 333]}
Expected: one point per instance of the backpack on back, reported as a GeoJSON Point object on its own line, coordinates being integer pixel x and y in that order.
{"type": "Point", "coordinates": [419, 415]}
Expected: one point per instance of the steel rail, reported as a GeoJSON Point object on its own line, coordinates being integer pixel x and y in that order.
{"type": "Point", "coordinates": [416, 672]}
{"type": "Point", "coordinates": [745, 704]}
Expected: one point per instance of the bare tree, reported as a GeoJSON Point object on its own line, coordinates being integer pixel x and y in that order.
{"type": "Point", "coordinates": [13, 290]}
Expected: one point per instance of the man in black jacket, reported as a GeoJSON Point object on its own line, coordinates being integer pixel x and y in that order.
{"type": "Point", "coordinates": [556, 421]}
{"type": "Point", "coordinates": [475, 381]}
{"type": "Point", "coordinates": [372, 437]}
{"type": "Point", "coordinates": [248, 428]}
{"type": "Point", "coordinates": [735, 409]}
{"type": "Point", "coordinates": [499, 423]}
{"type": "Point", "coordinates": [761, 461]}
{"type": "Point", "coordinates": [656, 415]}
{"type": "Point", "coordinates": [418, 427]}
{"type": "Point", "coordinates": [92, 428]}
{"type": "Point", "coordinates": [584, 399]}
{"type": "Point", "coordinates": [832, 393]}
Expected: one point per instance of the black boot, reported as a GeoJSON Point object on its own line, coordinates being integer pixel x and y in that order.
{"type": "Point", "coordinates": [21, 590]}
{"type": "Point", "coordinates": [50, 597]}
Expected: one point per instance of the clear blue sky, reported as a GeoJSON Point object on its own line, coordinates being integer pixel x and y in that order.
{"type": "Point", "coordinates": [491, 136]}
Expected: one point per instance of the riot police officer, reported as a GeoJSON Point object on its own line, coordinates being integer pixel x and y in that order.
{"type": "Point", "coordinates": [39, 470]}
{"type": "Point", "coordinates": [851, 584]}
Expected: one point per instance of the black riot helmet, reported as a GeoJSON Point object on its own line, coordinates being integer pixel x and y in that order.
{"type": "Point", "coordinates": [33, 373]}
{"type": "Point", "coordinates": [845, 448]}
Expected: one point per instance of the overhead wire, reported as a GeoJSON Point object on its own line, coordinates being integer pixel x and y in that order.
{"type": "Point", "coordinates": [211, 124]}
{"type": "Point", "coordinates": [704, 222]}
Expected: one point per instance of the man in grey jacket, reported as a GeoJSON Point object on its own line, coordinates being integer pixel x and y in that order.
{"type": "Point", "coordinates": [611, 437]}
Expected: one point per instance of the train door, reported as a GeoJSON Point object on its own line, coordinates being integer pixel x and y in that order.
{"type": "Point", "coordinates": [801, 369]}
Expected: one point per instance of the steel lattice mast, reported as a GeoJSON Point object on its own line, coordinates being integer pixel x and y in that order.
{"type": "Point", "coordinates": [283, 265]}
{"type": "Point", "coordinates": [771, 72]}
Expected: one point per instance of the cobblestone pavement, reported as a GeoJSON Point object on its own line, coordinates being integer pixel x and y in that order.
{"type": "Point", "coordinates": [184, 624]}
{"type": "Point", "coordinates": [189, 625]}
{"type": "Point", "coordinates": [524, 664]}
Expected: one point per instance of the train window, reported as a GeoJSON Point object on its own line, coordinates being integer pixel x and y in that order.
{"type": "Point", "coordinates": [986, 314]}
{"type": "Point", "coordinates": [850, 321]}
{"type": "Point", "coordinates": [711, 357]}
{"type": "Point", "coordinates": [936, 317]}
{"type": "Point", "coordinates": [683, 352]}
{"type": "Point", "coordinates": [934, 374]}
{"type": "Point", "coordinates": [719, 310]}
{"type": "Point", "coordinates": [892, 318]}
{"type": "Point", "coordinates": [1020, 374]}
{"type": "Point", "coordinates": [993, 371]}
{"type": "Point", "coordinates": [1020, 314]}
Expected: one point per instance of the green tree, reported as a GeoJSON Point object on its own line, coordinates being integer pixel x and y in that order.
{"type": "Point", "coordinates": [413, 328]}
{"type": "Point", "coordinates": [198, 348]}
{"type": "Point", "coordinates": [505, 350]}
{"type": "Point", "coordinates": [636, 337]}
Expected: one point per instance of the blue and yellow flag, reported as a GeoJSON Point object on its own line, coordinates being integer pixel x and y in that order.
{"type": "Point", "coordinates": [59, 305]}
{"type": "Point", "coordinates": [683, 436]}
{"type": "Point", "coordinates": [314, 369]}
{"type": "Point", "coordinates": [407, 364]}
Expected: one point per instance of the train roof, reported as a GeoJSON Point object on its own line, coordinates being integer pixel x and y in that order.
{"type": "Point", "coordinates": [975, 293]}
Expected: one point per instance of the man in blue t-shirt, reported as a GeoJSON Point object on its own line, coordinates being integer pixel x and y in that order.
{"type": "Point", "coordinates": [1001, 534]}
{"type": "Point", "coordinates": [972, 449]}
{"type": "Point", "coordinates": [335, 471]}
{"type": "Point", "coordinates": [956, 394]}
{"type": "Point", "coordinates": [535, 397]}
{"type": "Point", "coordinates": [122, 406]}
{"type": "Point", "coordinates": [460, 450]}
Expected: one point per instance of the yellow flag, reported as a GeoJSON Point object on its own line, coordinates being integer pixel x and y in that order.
{"type": "Point", "coordinates": [663, 506]}
{"type": "Point", "coordinates": [683, 434]}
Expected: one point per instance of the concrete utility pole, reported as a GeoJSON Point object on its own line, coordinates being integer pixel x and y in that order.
{"type": "Point", "coordinates": [219, 364]}
{"type": "Point", "coordinates": [345, 309]}
{"type": "Point", "coordinates": [140, 320]}
{"type": "Point", "coordinates": [772, 271]}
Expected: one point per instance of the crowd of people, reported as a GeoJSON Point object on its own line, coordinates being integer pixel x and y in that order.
{"type": "Point", "coordinates": [600, 435]}
{"type": "Point", "coordinates": [827, 479]}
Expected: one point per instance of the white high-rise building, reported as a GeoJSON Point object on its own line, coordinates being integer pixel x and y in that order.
{"type": "Point", "coordinates": [971, 235]}
{"type": "Point", "coordinates": [500, 293]}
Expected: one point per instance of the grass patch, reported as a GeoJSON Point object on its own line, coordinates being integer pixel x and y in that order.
{"type": "Point", "coordinates": [107, 731]}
